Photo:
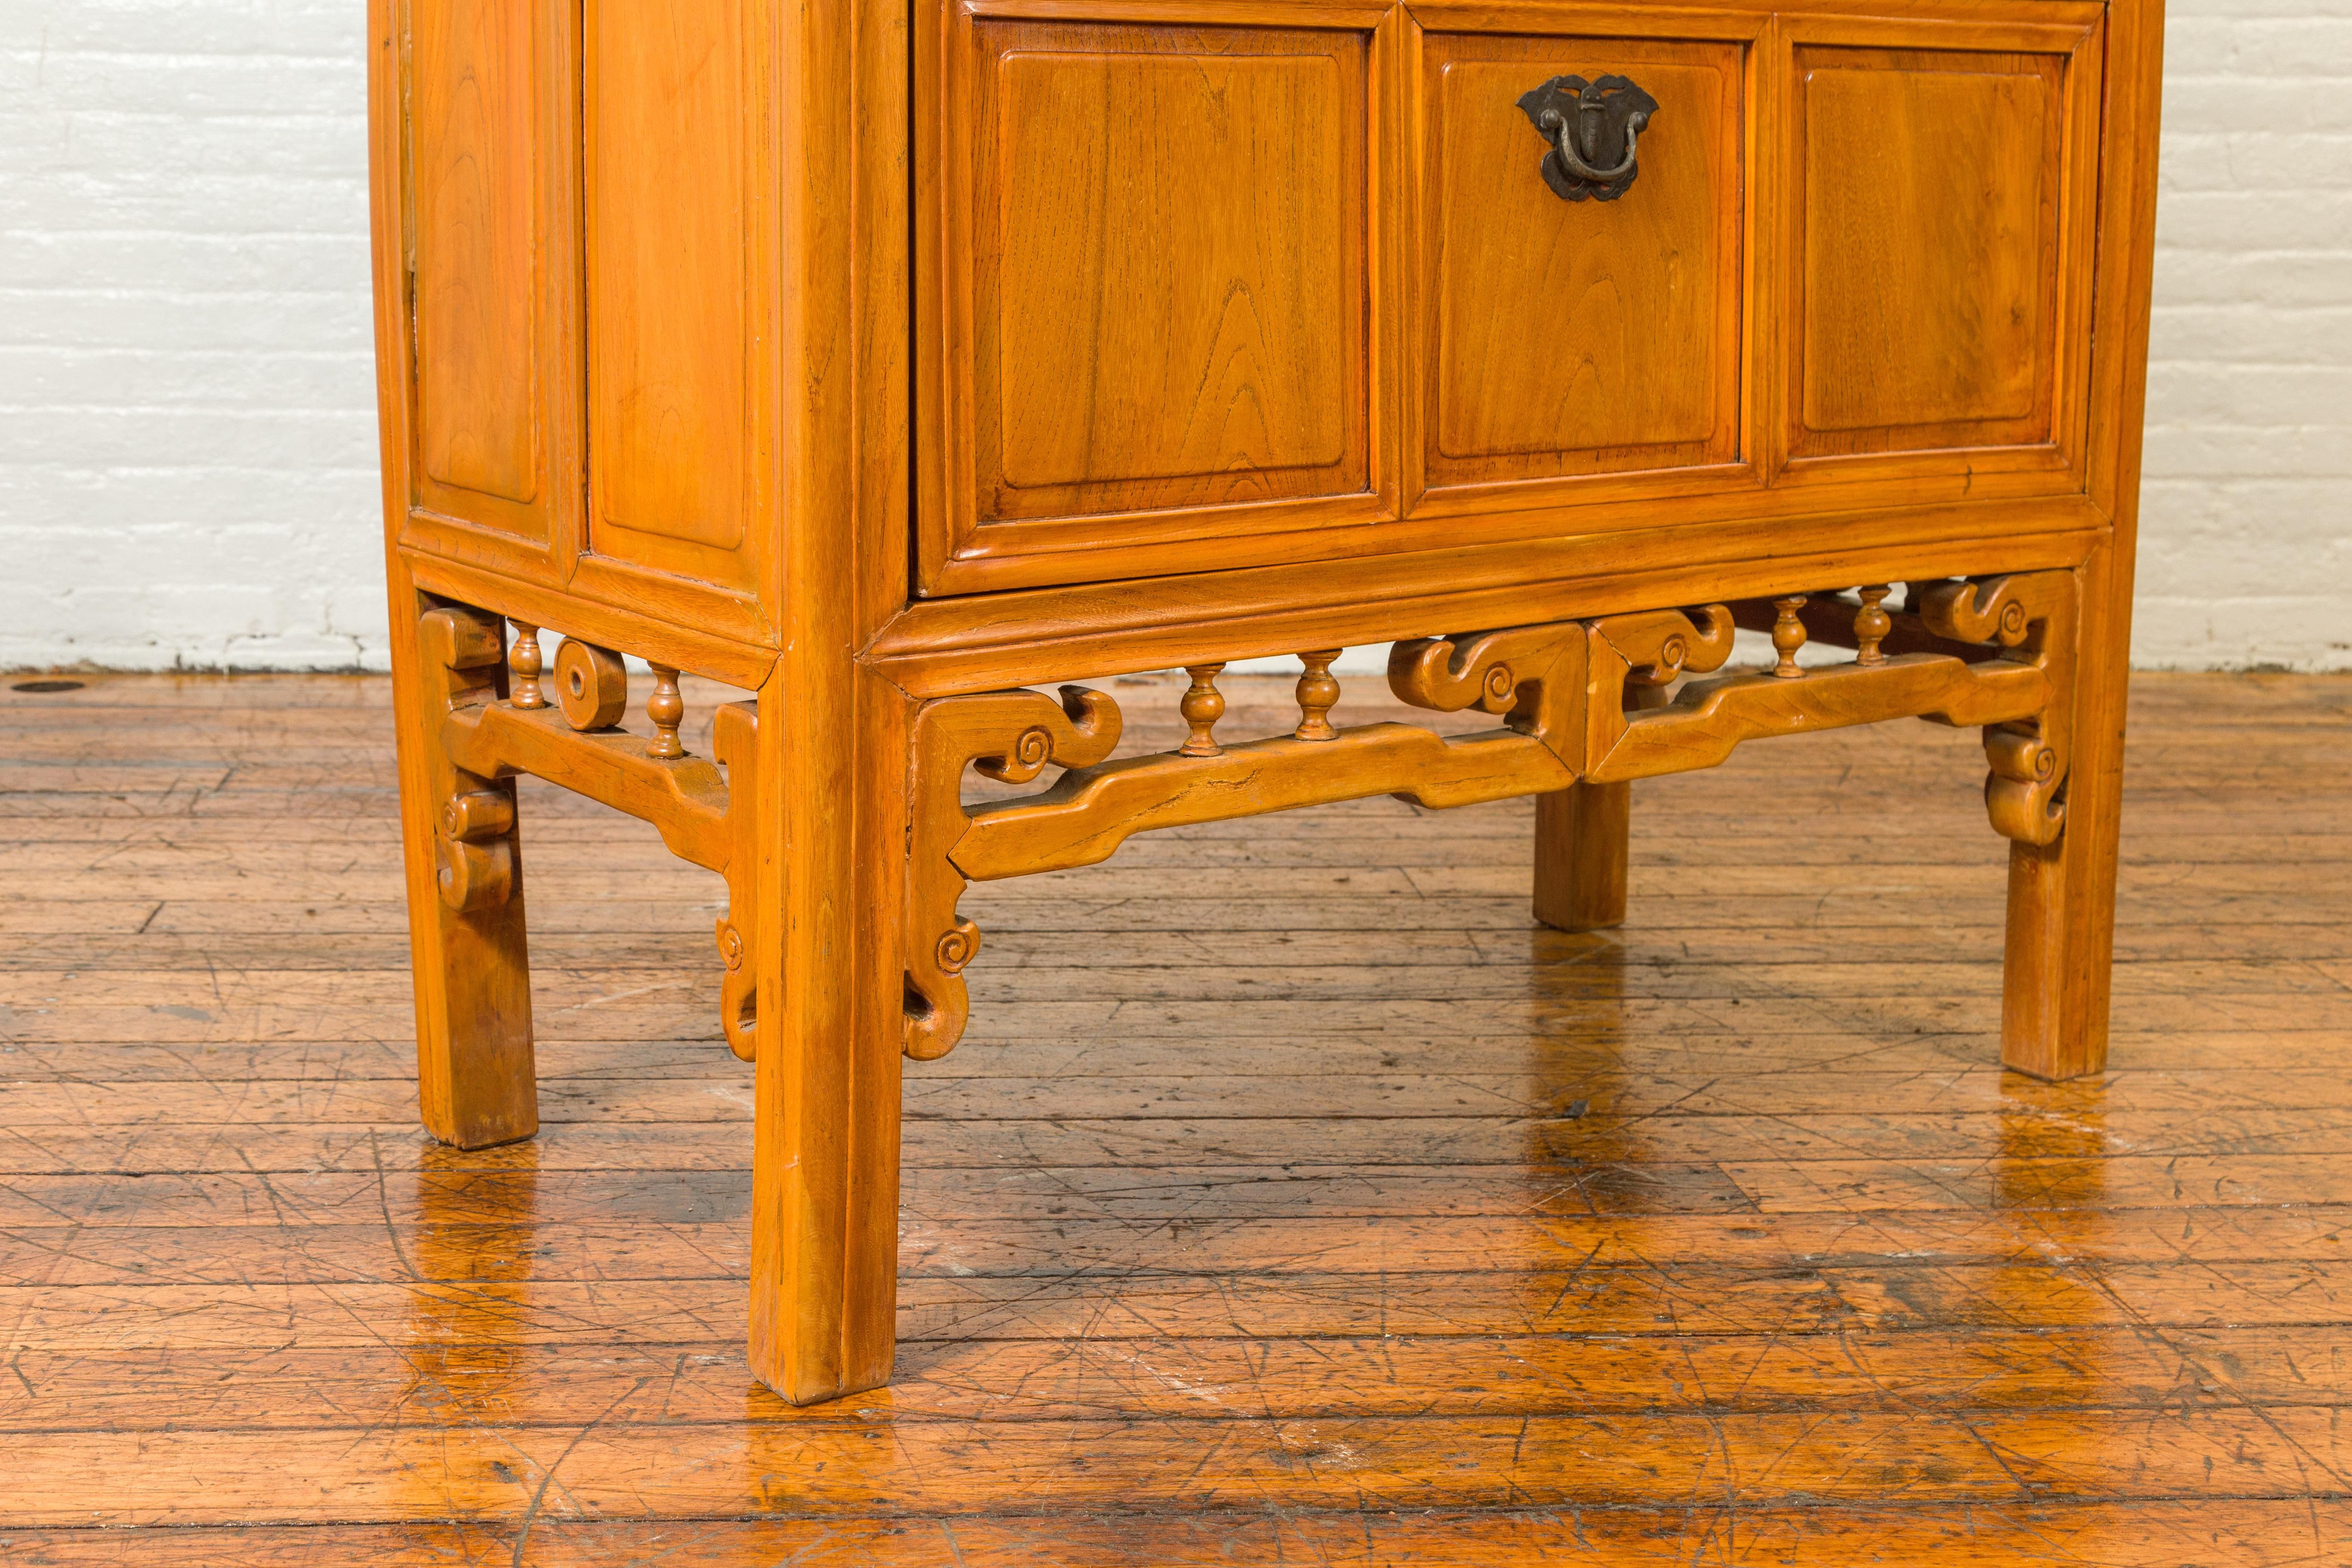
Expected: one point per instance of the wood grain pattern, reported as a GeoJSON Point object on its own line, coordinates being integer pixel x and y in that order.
{"type": "Point", "coordinates": [475, 113]}
{"type": "Point", "coordinates": [1159, 326]}
{"type": "Point", "coordinates": [482, 356]}
{"type": "Point", "coordinates": [1294, 1209]}
{"type": "Point", "coordinates": [669, 270]}
{"type": "Point", "coordinates": [1928, 279]}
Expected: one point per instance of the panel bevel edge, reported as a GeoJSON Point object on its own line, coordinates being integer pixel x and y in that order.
{"type": "Point", "coordinates": [547, 549]}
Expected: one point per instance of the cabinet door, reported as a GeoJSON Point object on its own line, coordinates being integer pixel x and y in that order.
{"type": "Point", "coordinates": [1940, 206]}
{"type": "Point", "coordinates": [1146, 297]}
{"type": "Point", "coordinates": [681, 292]}
{"type": "Point", "coordinates": [1570, 330]}
{"type": "Point", "coordinates": [494, 388]}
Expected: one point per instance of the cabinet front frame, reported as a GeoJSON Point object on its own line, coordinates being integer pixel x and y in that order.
{"type": "Point", "coordinates": [538, 537]}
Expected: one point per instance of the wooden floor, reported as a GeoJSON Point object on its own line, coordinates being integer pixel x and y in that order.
{"type": "Point", "coordinates": [1292, 1199]}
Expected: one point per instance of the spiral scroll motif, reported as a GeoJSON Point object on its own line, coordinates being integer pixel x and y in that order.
{"type": "Point", "coordinates": [957, 947]}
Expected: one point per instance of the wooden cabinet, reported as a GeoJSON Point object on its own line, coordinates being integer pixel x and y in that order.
{"type": "Point", "coordinates": [900, 361]}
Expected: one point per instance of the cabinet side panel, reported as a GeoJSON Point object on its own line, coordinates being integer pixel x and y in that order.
{"type": "Point", "coordinates": [488, 159]}
{"type": "Point", "coordinates": [666, 106]}
{"type": "Point", "coordinates": [474, 165]}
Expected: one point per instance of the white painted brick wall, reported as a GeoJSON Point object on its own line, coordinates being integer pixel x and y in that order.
{"type": "Point", "coordinates": [187, 470]}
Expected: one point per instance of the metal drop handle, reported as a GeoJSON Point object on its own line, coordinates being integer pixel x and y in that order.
{"type": "Point", "coordinates": [1594, 129]}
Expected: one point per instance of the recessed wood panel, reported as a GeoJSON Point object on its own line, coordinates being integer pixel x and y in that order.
{"type": "Point", "coordinates": [1926, 250]}
{"type": "Point", "coordinates": [667, 273]}
{"type": "Point", "coordinates": [1169, 288]}
{"type": "Point", "coordinates": [489, 152]}
{"type": "Point", "coordinates": [475, 172]}
{"type": "Point", "coordinates": [1568, 338]}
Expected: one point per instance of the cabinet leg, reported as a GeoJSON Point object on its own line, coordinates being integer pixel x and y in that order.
{"type": "Point", "coordinates": [476, 1083]}
{"type": "Point", "coordinates": [831, 990]}
{"type": "Point", "coordinates": [1580, 833]}
{"type": "Point", "coordinates": [2062, 896]}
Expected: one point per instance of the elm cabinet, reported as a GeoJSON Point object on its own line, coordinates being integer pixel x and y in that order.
{"type": "Point", "coordinates": [907, 364]}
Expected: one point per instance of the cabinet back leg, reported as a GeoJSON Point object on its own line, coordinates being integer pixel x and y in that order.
{"type": "Point", "coordinates": [475, 1078]}
{"type": "Point", "coordinates": [1580, 845]}
{"type": "Point", "coordinates": [2059, 951]}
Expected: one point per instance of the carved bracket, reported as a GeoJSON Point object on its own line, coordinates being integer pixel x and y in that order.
{"type": "Point", "coordinates": [1010, 736]}
{"type": "Point", "coordinates": [1579, 700]}
{"type": "Point", "coordinates": [491, 740]}
{"type": "Point", "coordinates": [1533, 677]}
{"type": "Point", "coordinates": [2034, 618]}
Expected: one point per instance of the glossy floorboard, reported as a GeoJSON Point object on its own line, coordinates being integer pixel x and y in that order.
{"type": "Point", "coordinates": [1291, 1200]}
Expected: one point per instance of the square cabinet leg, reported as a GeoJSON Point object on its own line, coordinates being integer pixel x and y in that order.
{"type": "Point", "coordinates": [1581, 846]}
{"type": "Point", "coordinates": [2060, 950]}
{"type": "Point", "coordinates": [831, 994]}
{"type": "Point", "coordinates": [477, 1084]}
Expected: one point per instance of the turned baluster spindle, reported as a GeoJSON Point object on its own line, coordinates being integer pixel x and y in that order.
{"type": "Point", "coordinates": [1202, 708]}
{"type": "Point", "coordinates": [1788, 635]}
{"type": "Point", "coordinates": [1318, 688]}
{"type": "Point", "coordinates": [666, 708]}
{"type": "Point", "coordinates": [523, 660]}
{"type": "Point", "coordinates": [1871, 624]}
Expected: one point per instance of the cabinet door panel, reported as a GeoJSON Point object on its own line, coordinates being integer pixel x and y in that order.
{"type": "Point", "coordinates": [1154, 324]}
{"type": "Point", "coordinates": [1568, 337]}
{"type": "Point", "coordinates": [672, 323]}
{"type": "Point", "coordinates": [495, 397]}
{"type": "Point", "coordinates": [1939, 249]}
{"type": "Point", "coordinates": [1173, 300]}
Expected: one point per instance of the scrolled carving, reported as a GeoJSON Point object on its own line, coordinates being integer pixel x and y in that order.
{"type": "Point", "coordinates": [472, 878]}
{"type": "Point", "coordinates": [1010, 736]}
{"type": "Point", "coordinates": [957, 947]}
{"type": "Point", "coordinates": [1447, 675]}
{"type": "Point", "coordinates": [2032, 617]}
{"type": "Point", "coordinates": [1660, 646]}
{"type": "Point", "coordinates": [1990, 610]}
{"type": "Point", "coordinates": [739, 1007]}
{"type": "Point", "coordinates": [1533, 677]}
{"type": "Point", "coordinates": [2025, 791]}
{"type": "Point", "coordinates": [477, 814]}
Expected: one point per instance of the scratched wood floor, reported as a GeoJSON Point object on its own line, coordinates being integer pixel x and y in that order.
{"type": "Point", "coordinates": [1292, 1199]}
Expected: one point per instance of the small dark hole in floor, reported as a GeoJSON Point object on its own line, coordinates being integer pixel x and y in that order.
{"type": "Point", "coordinates": [49, 685]}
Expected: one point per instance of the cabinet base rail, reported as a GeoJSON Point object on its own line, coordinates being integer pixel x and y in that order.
{"type": "Point", "coordinates": [1584, 708]}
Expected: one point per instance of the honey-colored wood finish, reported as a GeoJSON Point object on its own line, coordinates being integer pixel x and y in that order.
{"type": "Point", "coordinates": [1295, 1196]}
{"type": "Point", "coordinates": [898, 361]}
{"type": "Point", "coordinates": [1579, 338]}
